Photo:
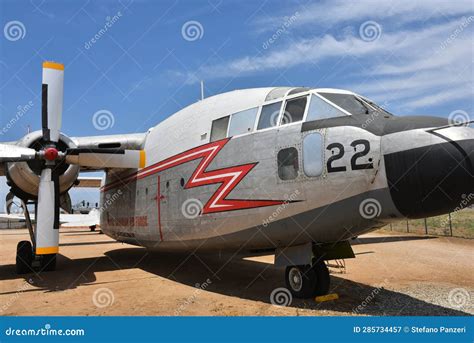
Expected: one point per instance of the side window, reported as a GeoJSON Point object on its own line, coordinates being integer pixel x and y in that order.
{"type": "Point", "coordinates": [219, 128]}
{"type": "Point", "coordinates": [269, 116]}
{"type": "Point", "coordinates": [313, 154]}
{"type": "Point", "coordinates": [288, 164]}
{"type": "Point", "coordinates": [320, 109]}
{"type": "Point", "coordinates": [242, 122]}
{"type": "Point", "coordinates": [294, 110]}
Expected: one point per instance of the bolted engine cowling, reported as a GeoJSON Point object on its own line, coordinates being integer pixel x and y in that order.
{"type": "Point", "coordinates": [24, 177]}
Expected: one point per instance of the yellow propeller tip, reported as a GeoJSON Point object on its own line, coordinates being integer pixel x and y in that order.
{"type": "Point", "coordinates": [53, 65]}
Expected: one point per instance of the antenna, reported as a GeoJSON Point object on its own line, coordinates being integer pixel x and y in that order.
{"type": "Point", "coordinates": [202, 90]}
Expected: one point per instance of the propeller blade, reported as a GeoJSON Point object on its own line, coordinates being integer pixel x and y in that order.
{"type": "Point", "coordinates": [14, 153]}
{"type": "Point", "coordinates": [47, 215]}
{"type": "Point", "coordinates": [65, 202]}
{"type": "Point", "coordinates": [9, 202]}
{"type": "Point", "coordinates": [106, 158]}
{"type": "Point", "coordinates": [52, 100]}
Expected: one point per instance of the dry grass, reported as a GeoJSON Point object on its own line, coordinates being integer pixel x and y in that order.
{"type": "Point", "coordinates": [462, 225]}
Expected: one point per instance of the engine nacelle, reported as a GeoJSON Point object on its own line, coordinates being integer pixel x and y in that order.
{"type": "Point", "coordinates": [24, 177]}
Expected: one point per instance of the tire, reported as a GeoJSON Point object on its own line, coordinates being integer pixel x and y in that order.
{"type": "Point", "coordinates": [301, 281]}
{"type": "Point", "coordinates": [48, 262]}
{"type": "Point", "coordinates": [24, 257]}
{"type": "Point", "coordinates": [322, 278]}
{"type": "Point", "coordinates": [313, 280]}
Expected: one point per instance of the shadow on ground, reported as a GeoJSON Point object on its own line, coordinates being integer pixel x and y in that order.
{"type": "Point", "coordinates": [235, 277]}
{"type": "Point", "coordinates": [388, 239]}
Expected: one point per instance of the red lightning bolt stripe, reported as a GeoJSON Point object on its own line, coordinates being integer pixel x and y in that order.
{"type": "Point", "coordinates": [229, 178]}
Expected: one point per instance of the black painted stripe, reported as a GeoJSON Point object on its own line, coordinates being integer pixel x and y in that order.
{"type": "Point", "coordinates": [77, 151]}
{"type": "Point", "coordinates": [44, 112]}
{"type": "Point", "coordinates": [55, 178]}
{"type": "Point", "coordinates": [109, 145]}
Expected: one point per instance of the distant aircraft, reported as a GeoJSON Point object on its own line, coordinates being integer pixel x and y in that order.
{"type": "Point", "coordinates": [293, 171]}
{"type": "Point", "coordinates": [90, 220]}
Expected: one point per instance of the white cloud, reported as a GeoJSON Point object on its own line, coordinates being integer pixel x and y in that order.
{"type": "Point", "coordinates": [422, 60]}
{"type": "Point", "coordinates": [328, 13]}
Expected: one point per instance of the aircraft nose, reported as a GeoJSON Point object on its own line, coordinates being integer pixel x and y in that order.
{"type": "Point", "coordinates": [432, 180]}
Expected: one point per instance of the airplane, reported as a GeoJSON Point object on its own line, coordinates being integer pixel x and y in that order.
{"type": "Point", "coordinates": [66, 220]}
{"type": "Point", "coordinates": [293, 171]}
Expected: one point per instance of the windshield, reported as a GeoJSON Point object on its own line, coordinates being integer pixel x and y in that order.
{"type": "Point", "coordinates": [377, 107]}
{"type": "Point", "coordinates": [354, 104]}
{"type": "Point", "coordinates": [348, 102]}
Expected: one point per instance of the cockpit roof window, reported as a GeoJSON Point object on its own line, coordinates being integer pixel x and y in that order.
{"type": "Point", "coordinates": [348, 102]}
{"type": "Point", "coordinates": [277, 93]}
{"type": "Point", "coordinates": [298, 90]}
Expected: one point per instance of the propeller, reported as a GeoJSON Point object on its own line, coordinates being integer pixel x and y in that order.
{"type": "Point", "coordinates": [93, 158]}
{"type": "Point", "coordinates": [47, 214]}
{"type": "Point", "coordinates": [14, 153]}
{"type": "Point", "coordinates": [48, 205]}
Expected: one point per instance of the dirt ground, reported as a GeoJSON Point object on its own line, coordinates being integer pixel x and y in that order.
{"type": "Point", "coordinates": [393, 274]}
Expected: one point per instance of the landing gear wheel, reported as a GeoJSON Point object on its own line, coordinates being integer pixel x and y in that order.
{"type": "Point", "coordinates": [307, 281]}
{"type": "Point", "coordinates": [24, 257]}
{"type": "Point", "coordinates": [48, 262]}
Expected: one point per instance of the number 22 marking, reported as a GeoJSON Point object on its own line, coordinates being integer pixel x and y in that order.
{"type": "Point", "coordinates": [355, 157]}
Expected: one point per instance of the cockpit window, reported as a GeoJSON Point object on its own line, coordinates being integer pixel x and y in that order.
{"type": "Point", "coordinates": [321, 109]}
{"type": "Point", "coordinates": [348, 102]}
{"type": "Point", "coordinates": [277, 93]}
{"type": "Point", "coordinates": [269, 116]}
{"type": "Point", "coordinates": [219, 128]}
{"type": "Point", "coordinates": [242, 122]}
{"type": "Point", "coordinates": [294, 110]}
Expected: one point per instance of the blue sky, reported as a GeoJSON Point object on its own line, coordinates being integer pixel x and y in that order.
{"type": "Point", "coordinates": [413, 57]}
